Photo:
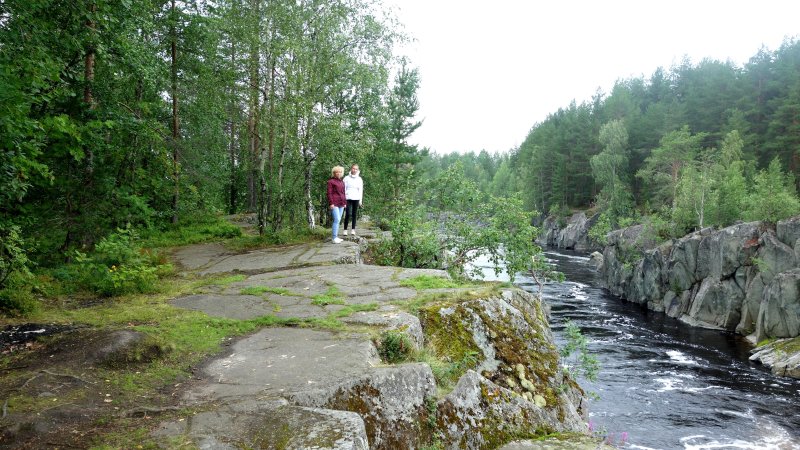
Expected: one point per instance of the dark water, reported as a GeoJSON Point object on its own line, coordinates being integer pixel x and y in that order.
{"type": "Point", "coordinates": [663, 384]}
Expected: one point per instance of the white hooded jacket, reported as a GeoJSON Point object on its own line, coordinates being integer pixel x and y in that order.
{"type": "Point", "coordinates": [353, 187]}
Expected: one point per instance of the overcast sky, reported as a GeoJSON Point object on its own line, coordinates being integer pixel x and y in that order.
{"type": "Point", "coordinates": [491, 70]}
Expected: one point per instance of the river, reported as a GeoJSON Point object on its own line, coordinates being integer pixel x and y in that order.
{"type": "Point", "coordinates": [664, 384]}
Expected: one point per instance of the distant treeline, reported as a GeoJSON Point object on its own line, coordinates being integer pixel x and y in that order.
{"type": "Point", "coordinates": [651, 144]}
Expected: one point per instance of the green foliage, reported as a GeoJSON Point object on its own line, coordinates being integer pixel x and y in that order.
{"type": "Point", "coordinates": [430, 282]}
{"type": "Point", "coordinates": [468, 225]}
{"type": "Point", "coordinates": [609, 168]}
{"type": "Point", "coordinates": [118, 266]}
{"type": "Point", "coordinates": [333, 296]}
{"type": "Point", "coordinates": [260, 290]}
{"type": "Point", "coordinates": [669, 117]}
{"type": "Point", "coordinates": [600, 229]}
{"type": "Point", "coordinates": [12, 253]}
{"type": "Point", "coordinates": [394, 347]}
{"type": "Point", "coordinates": [195, 229]}
{"type": "Point", "coordinates": [17, 297]}
{"type": "Point", "coordinates": [773, 197]}
{"type": "Point", "coordinates": [413, 243]}
{"type": "Point", "coordinates": [580, 362]}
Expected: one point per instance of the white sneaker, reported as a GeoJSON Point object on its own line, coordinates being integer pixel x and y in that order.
{"type": "Point", "coordinates": [354, 232]}
{"type": "Point", "coordinates": [337, 240]}
{"type": "Point", "coordinates": [345, 232]}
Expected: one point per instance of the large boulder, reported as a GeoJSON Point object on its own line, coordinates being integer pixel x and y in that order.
{"type": "Point", "coordinates": [682, 264]}
{"type": "Point", "coordinates": [572, 235]}
{"type": "Point", "coordinates": [648, 282]}
{"type": "Point", "coordinates": [718, 303]}
{"type": "Point", "coordinates": [788, 231]}
{"type": "Point", "coordinates": [721, 253]}
{"type": "Point", "coordinates": [509, 342]}
{"type": "Point", "coordinates": [782, 356]}
{"type": "Point", "coordinates": [268, 424]}
{"type": "Point", "coordinates": [392, 402]}
{"type": "Point", "coordinates": [480, 414]}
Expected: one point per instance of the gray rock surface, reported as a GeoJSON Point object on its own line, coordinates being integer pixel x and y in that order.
{"type": "Point", "coordinates": [389, 317]}
{"type": "Point", "coordinates": [391, 401]}
{"type": "Point", "coordinates": [781, 356]}
{"type": "Point", "coordinates": [573, 236]}
{"type": "Point", "coordinates": [743, 278]}
{"type": "Point", "coordinates": [296, 387]}
{"type": "Point", "coordinates": [780, 311]}
{"type": "Point", "coordinates": [487, 407]}
{"type": "Point", "coordinates": [269, 424]}
{"type": "Point", "coordinates": [276, 361]}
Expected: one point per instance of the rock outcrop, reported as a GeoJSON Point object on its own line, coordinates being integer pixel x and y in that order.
{"type": "Point", "coordinates": [744, 278]}
{"type": "Point", "coordinates": [572, 235]}
{"type": "Point", "coordinates": [294, 387]}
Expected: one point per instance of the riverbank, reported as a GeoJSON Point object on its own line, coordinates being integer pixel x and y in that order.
{"type": "Point", "coordinates": [744, 278]}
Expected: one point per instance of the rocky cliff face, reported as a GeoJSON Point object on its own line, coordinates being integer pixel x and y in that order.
{"type": "Point", "coordinates": [744, 278]}
{"type": "Point", "coordinates": [572, 235]}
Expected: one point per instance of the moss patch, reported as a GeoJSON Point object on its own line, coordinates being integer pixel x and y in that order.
{"type": "Point", "coordinates": [260, 290]}
{"type": "Point", "coordinates": [422, 282]}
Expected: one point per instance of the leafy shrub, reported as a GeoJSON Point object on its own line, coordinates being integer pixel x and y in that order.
{"type": "Point", "coordinates": [600, 229]}
{"type": "Point", "coordinates": [17, 298]}
{"type": "Point", "coordinates": [12, 253]}
{"type": "Point", "coordinates": [118, 266]}
{"type": "Point", "coordinates": [411, 244]}
{"type": "Point", "coordinates": [395, 347]}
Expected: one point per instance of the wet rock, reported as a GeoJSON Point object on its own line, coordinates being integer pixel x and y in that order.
{"type": "Point", "coordinates": [781, 356]}
{"type": "Point", "coordinates": [596, 259]}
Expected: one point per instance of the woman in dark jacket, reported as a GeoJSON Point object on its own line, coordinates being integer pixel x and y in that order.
{"type": "Point", "coordinates": [336, 199]}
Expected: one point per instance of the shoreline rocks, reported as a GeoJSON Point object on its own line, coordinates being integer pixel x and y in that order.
{"type": "Point", "coordinates": [744, 279]}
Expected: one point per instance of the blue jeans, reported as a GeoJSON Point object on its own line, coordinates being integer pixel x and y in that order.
{"type": "Point", "coordinates": [336, 212]}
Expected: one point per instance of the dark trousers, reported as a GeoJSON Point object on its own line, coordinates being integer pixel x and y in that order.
{"type": "Point", "coordinates": [350, 213]}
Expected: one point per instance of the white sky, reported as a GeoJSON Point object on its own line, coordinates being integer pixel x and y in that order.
{"type": "Point", "coordinates": [491, 69]}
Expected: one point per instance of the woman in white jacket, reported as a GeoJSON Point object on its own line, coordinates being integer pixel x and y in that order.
{"type": "Point", "coordinates": [354, 192]}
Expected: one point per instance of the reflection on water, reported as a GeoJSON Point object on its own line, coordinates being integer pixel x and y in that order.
{"type": "Point", "coordinates": [665, 384]}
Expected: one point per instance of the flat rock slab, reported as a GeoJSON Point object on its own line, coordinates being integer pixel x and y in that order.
{"type": "Point", "coordinates": [207, 259]}
{"type": "Point", "coordinates": [277, 361]}
{"type": "Point", "coordinates": [295, 293]}
{"type": "Point", "coordinates": [270, 425]}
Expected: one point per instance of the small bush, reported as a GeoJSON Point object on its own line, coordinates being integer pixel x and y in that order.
{"type": "Point", "coordinates": [117, 267]}
{"type": "Point", "coordinates": [395, 347]}
{"type": "Point", "coordinates": [17, 298]}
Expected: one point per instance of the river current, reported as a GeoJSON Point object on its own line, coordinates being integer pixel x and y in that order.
{"type": "Point", "coordinates": [663, 384]}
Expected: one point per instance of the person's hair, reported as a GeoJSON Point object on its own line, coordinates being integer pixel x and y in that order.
{"type": "Point", "coordinates": [335, 169]}
{"type": "Point", "coordinates": [354, 165]}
